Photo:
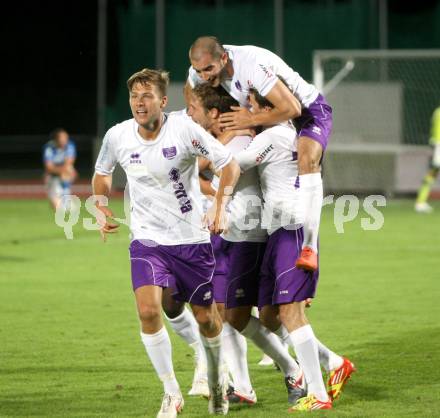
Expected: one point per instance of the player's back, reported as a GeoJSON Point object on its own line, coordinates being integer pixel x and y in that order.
{"type": "Point", "coordinates": [278, 173]}
{"type": "Point", "coordinates": [258, 67]}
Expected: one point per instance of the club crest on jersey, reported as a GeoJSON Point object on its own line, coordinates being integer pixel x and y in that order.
{"type": "Point", "coordinates": [238, 85]}
{"type": "Point", "coordinates": [135, 158]}
{"type": "Point", "coordinates": [262, 155]}
{"type": "Point", "coordinates": [169, 153]}
{"type": "Point", "coordinates": [198, 146]}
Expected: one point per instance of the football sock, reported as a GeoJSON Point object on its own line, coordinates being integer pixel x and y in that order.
{"type": "Point", "coordinates": [312, 197]}
{"type": "Point", "coordinates": [306, 349]}
{"type": "Point", "coordinates": [271, 345]}
{"type": "Point", "coordinates": [158, 347]}
{"type": "Point", "coordinates": [425, 189]}
{"type": "Point", "coordinates": [327, 358]}
{"type": "Point", "coordinates": [213, 350]}
{"type": "Point", "coordinates": [235, 355]}
{"type": "Point", "coordinates": [186, 327]}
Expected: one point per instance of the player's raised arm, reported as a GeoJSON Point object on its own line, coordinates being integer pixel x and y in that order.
{"type": "Point", "coordinates": [286, 106]}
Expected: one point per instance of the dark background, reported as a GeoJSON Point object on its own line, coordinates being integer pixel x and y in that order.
{"type": "Point", "coordinates": [49, 52]}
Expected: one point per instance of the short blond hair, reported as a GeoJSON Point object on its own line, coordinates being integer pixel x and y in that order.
{"type": "Point", "coordinates": [158, 78]}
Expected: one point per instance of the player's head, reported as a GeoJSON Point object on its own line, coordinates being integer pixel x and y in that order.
{"type": "Point", "coordinates": [209, 58]}
{"type": "Point", "coordinates": [207, 103]}
{"type": "Point", "coordinates": [147, 96]}
{"type": "Point", "coordinates": [60, 136]}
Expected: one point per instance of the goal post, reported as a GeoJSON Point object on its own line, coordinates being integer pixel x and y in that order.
{"type": "Point", "coordinates": [382, 104]}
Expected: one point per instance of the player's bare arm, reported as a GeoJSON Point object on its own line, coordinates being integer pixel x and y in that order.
{"type": "Point", "coordinates": [226, 136]}
{"type": "Point", "coordinates": [102, 185]}
{"type": "Point", "coordinates": [286, 107]}
{"type": "Point", "coordinates": [228, 180]}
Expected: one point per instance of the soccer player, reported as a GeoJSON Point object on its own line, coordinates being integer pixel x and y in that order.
{"type": "Point", "coordinates": [422, 205]}
{"type": "Point", "coordinates": [183, 323]}
{"type": "Point", "coordinates": [284, 288]}
{"type": "Point", "coordinates": [170, 247]}
{"type": "Point", "coordinates": [59, 156]}
{"type": "Point", "coordinates": [237, 68]}
{"type": "Point", "coordinates": [240, 254]}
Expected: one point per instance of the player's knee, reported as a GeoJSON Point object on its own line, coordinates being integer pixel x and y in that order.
{"type": "Point", "coordinates": [172, 307]}
{"type": "Point", "coordinates": [173, 310]}
{"type": "Point", "coordinates": [205, 318]}
{"type": "Point", "coordinates": [237, 322]}
{"type": "Point", "coordinates": [309, 163]}
{"type": "Point", "coordinates": [266, 319]}
{"type": "Point", "coordinates": [293, 315]}
{"type": "Point", "coordinates": [148, 313]}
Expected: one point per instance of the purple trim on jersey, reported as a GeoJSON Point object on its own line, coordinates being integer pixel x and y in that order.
{"type": "Point", "coordinates": [316, 121]}
{"type": "Point", "coordinates": [188, 268]}
{"type": "Point", "coordinates": [281, 282]}
{"type": "Point", "coordinates": [245, 260]}
{"type": "Point", "coordinates": [297, 184]}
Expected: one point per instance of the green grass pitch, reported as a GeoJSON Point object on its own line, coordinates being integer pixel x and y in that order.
{"type": "Point", "coordinates": [69, 335]}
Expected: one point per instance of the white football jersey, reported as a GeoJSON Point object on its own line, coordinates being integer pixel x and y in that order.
{"type": "Point", "coordinates": [258, 68]}
{"type": "Point", "coordinates": [162, 175]}
{"type": "Point", "coordinates": [244, 210]}
{"type": "Point", "coordinates": [275, 155]}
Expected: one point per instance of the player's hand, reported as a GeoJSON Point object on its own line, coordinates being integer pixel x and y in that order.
{"type": "Point", "coordinates": [216, 220]}
{"type": "Point", "coordinates": [106, 221]}
{"type": "Point", "coordinates": [240, 118]}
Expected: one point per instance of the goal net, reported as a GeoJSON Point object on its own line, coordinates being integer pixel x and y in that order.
{"type": "Point", "coordinates": [382, 104]}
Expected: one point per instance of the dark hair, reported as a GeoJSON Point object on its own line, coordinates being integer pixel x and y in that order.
{"type": "Point", "coordinates": [261, 100]}
{"type": "Point", "coordinates": [207, 44]}
{"type": "Point", "coordinates": [158, 78]}
{"type": "Point", "coordinates": [53, 135]}
{"type": "Point", "coordinates": [214, 98]}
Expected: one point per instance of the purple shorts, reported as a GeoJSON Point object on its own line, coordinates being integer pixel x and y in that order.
{"type": "Point", "coordinates": [188, 268]}
{"type": "Point", "coordinates": [244, 262]}
{"type": "Point", "coordinates": [220, 247]}
{"type": "Point", "coordinates": [316, 121]}
{"type": "Point", "coordinates": [281, 282]}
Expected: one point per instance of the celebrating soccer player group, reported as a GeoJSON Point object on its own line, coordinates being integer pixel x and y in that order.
{"type": "Point", "coordinates": [225, 204]}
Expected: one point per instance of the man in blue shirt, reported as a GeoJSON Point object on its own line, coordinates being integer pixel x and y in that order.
{"type": "Point", "coordinates": [59, 156]}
